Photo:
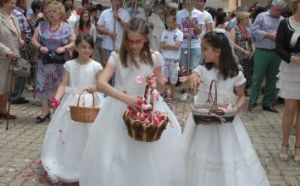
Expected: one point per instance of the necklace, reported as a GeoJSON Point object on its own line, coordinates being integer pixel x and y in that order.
{"type": "Point", "coordinates": [245, 34]}
{"type": "Point", "coordinates": [54, 28]}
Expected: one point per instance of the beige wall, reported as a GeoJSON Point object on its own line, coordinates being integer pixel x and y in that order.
{"type": "Point", "coordinates": [248, 3]}
{"type": "Point", "coordinates": [229, 5]}
{"type": "Point", "coordinates": [216, 3]}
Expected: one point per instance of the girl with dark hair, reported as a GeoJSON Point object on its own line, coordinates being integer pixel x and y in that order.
{"type": "Point", "coordinates": [220, 153]}
{"type": "Point", "coordinates": [65, 139]}
{"type": "Point", "coordinates": [85, 25]}
{"type": "Point", "coordinates": [112, 158]}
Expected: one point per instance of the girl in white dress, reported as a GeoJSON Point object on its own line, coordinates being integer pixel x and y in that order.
{"type": "Point", "coordinates": [65, 139]}
{"type": "Point", "coordinates": [220, 154]}
{"type": "Point", "coordinates": [112, 157]}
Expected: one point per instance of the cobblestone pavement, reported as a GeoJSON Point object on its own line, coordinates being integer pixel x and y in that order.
{"type": "Point", "coordinates": [20, 146]}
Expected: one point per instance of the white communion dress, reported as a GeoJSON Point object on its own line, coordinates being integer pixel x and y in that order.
{"type": "Point", "coordinates": [220, 154]}
{"type": "Point", "coordinates": [113, 158]}
{"type": "Point", "coordinates": [65, 139]}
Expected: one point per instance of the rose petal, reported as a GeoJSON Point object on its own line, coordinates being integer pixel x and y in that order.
{"type": "Point", "coordinates": [140, 79]}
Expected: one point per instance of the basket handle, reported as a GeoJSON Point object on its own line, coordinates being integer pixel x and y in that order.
{"type": "Point", "coordinates": [211, 99]}
{"type": "Point", "coordinates": [86, 90]}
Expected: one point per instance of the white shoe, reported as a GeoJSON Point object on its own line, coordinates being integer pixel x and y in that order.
{"type": "Point", "coordinates": [184, 97]}
{"type": "Point", "coordinates": [52, 178]}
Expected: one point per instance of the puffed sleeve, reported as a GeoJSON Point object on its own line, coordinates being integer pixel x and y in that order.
{"type": "Point", "coordinates": [199, 70]}
{"type": "Point", "coordinates": [239, 79]}
{"type": "Point", "coordinates": [68, 65]}
{"type": "Point", "coordinates": [113, 58]}
{"type": "Point", "coordinates": [98, 66]}
{"type": "Point", "coordinates": [158, 60]}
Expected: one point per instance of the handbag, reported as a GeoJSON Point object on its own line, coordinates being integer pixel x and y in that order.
{"type": "Point", "coordinates": [22, 67]}
{"type": "Point", "coordinates": [211, 112]}
{"type": "Point", "coordinates": [53, 57]}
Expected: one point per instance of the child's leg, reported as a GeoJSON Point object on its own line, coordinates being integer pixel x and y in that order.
{"type": "Point", "coordinates": [174, 69]}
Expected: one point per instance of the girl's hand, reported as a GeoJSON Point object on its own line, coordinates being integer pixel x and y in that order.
{"type": "Point", "coordinates": [131, 101]}
{"type": "Point", "coordinates": [195, 82]}
{"type": "Point", "coordinates": [44, 50]}
{"type": "Point", "coordinates": [91, 89]}
{"type": "Point", "coordinates": [60, 50]}
{"type": "Point", "coordinates": [54, 103]}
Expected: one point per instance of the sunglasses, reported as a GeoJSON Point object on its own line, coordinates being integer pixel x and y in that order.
{"type": "Point", "coordinates": [135, 42]}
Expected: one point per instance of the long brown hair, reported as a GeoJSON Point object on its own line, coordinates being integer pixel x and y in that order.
{"type": "Point", "coordinates": [140, 25]}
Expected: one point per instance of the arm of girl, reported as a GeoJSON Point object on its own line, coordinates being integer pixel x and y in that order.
{"type": "Point", "coordinates": [55, 101]}
{"type": "Point", "coordinates": [93, 89]}
{"type": "Point", "coordinates": [64, 83]}
{"type": "Point", "coordinates": [241, 94]}
{"type": "Point", "coordinates": [106, 88]}
{"type": "Point", "coordinates": [191, 82]}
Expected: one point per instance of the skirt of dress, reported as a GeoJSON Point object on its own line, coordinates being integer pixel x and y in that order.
{"type": "Point", "coordinates": [112, 158]}
{"type": "Point", "coordinates": [289, 81]}
{"type": "Point", "coordinates": [221, 154]}
{"type": "Point", "coordinates": [65, 141]}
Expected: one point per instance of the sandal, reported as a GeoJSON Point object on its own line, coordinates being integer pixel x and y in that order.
{"type": "Point", "coordinates": [284, 154]}
{"type": "Point", "coordinates": [297, 154]}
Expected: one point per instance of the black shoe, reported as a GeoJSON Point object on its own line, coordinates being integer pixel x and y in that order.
{"type": "Point", "coordinates": [251, 108]}
{"type": "Point", "coordinates": [279, 100]}
{"type": "Point", "coordinates": [7, 116]}
{"type": "Point", "coordinates": [40, 119]}
{"type": "Point", "coordinates": [270, 109]}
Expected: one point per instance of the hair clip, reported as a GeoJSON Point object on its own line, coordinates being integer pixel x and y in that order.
{"type": "Point", "coordinates": [219, 30]}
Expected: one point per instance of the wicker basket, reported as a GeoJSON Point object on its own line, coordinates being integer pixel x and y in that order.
{"type": "Point", "coordinates": [211, 112]}
{"type": "Point", "coordinates": [146, 132]}
{"type": "Point", "coordinates": [84, 114]}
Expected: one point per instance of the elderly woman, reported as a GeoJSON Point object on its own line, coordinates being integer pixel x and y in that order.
{"type": "Point", "coordinates": [10, 41]}
{"type": "Point", "coordinates": [52, 35]}
{"type": "Point", "coordinates": [243, 45]}
{"type": "Point", "coordinates": [288, 49]}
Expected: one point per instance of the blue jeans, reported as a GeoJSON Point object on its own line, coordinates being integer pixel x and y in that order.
{"type": "Point", "coordinates": [195, 58]}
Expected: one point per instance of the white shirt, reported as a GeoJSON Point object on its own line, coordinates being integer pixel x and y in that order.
{"type": "Point", "coordinates": [106, 20]}
{"type": "Point", "coordinates": [207, 20]}
{"type": "Point", "coordinates": [73, 20]}
{"type": "Point", "coordinates": [159, 27]}
{"type": "Point", "coordinates": [171, 37]}
{"type": "Point", "coordinates": [183, 22]}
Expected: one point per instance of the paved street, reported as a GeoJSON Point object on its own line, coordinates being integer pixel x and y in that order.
{"type": "Point", "coordinates": [20, 146]}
